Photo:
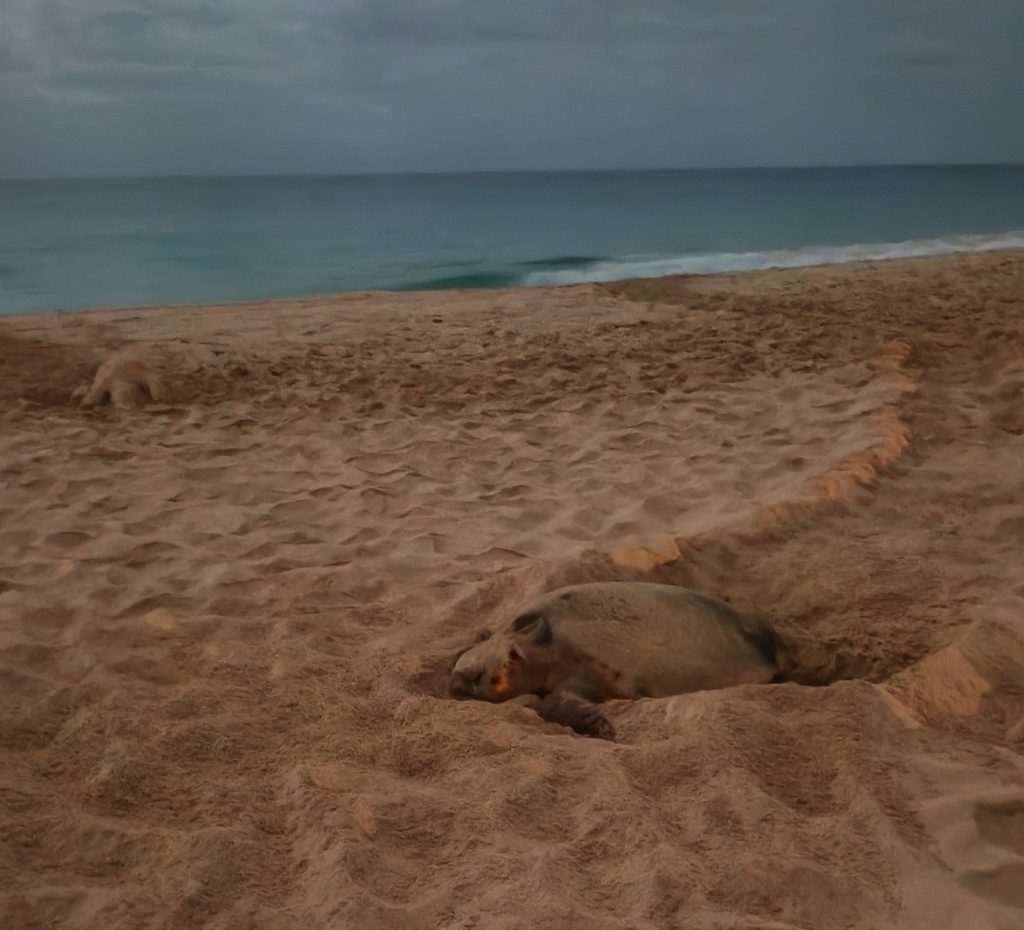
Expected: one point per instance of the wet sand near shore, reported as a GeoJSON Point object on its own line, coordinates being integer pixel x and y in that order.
{"type": "Point", "coordinates": [226, 616]}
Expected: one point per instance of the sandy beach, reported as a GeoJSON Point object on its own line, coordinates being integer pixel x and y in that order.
{"type": "Point", "coordinates": [226, 617]}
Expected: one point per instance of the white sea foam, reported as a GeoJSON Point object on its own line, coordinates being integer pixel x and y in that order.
{"type": "Point", "coordinates": [715, 262]}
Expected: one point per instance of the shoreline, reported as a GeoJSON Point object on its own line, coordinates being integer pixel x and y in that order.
{"type": "Point", "coordinates": [226, 617]}
{"type": "Point", "coordinates": [344, 297]}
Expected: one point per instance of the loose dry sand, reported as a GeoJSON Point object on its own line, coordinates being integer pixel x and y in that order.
{"type": "Point", "coordinates": [227, 605]}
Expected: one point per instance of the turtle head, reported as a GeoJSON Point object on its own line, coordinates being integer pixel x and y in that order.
{"type": "Point", "coordinates": [505, 664]}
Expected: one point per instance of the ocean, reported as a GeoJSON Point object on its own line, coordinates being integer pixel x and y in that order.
{"type": "Point", "coordinates": [137, 242]}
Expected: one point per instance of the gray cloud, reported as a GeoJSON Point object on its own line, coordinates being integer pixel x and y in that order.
{"type": "Point", "coordinates": [184, 86]}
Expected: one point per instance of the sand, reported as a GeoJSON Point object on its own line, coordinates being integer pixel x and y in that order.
{"type": "Point", "coordinates": [226, 615]}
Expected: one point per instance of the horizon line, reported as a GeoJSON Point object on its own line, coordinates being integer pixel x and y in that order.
{"type": "Point", "coordinates": [499, 171]}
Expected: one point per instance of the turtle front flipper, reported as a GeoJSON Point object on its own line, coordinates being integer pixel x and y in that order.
{"type": "Point", "coordinates": [582, 716]}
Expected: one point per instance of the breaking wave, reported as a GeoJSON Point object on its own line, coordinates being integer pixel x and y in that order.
{"type": "Point", "coordinates": [507, 276]}
{"type": "Point", "coordinates": [715, 262]}
{"type": "Point", "coordinates": [473, 279]}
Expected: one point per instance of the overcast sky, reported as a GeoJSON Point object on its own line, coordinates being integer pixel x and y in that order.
{"type": "Point", "coordinates": [116, 87]}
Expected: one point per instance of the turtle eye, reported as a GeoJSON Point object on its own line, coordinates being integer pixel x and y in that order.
{"type": "Point", "coordinates": [513, 654]}
{"type": "Point", "coordinates": [473, 680]}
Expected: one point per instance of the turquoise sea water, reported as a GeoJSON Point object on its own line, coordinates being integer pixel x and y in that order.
{"type": "Point", "coordinates": [73, 244]}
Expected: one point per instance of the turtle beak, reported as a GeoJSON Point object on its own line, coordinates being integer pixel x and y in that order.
{"type": "Point", "coordinates": [463, 685]}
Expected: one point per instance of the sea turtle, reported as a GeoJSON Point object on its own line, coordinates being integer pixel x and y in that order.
{"type": "Point", "coordinates": [123, 381]}
{"type": "Point", "coordinates": [578, 646]}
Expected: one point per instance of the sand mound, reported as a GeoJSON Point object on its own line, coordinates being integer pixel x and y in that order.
{"type": "Point", "coordinates": [223, 624]}
{"type": "Point", "coordinates": [982, 671]}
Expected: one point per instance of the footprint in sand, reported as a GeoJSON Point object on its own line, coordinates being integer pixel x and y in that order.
{"type": "Point", "coordinates": [1004, 883]}
{"type": "Point", "coordinates": [1002, 823]}
{"type": "Point", "coordinates": [69, 539]}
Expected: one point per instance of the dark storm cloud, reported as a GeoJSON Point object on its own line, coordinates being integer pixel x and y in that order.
{"type": "Point", "coordinates": [157, 86]}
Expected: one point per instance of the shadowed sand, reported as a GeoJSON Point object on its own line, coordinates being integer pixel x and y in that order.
{"type": "Point", "coordinates": [228, 602]}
